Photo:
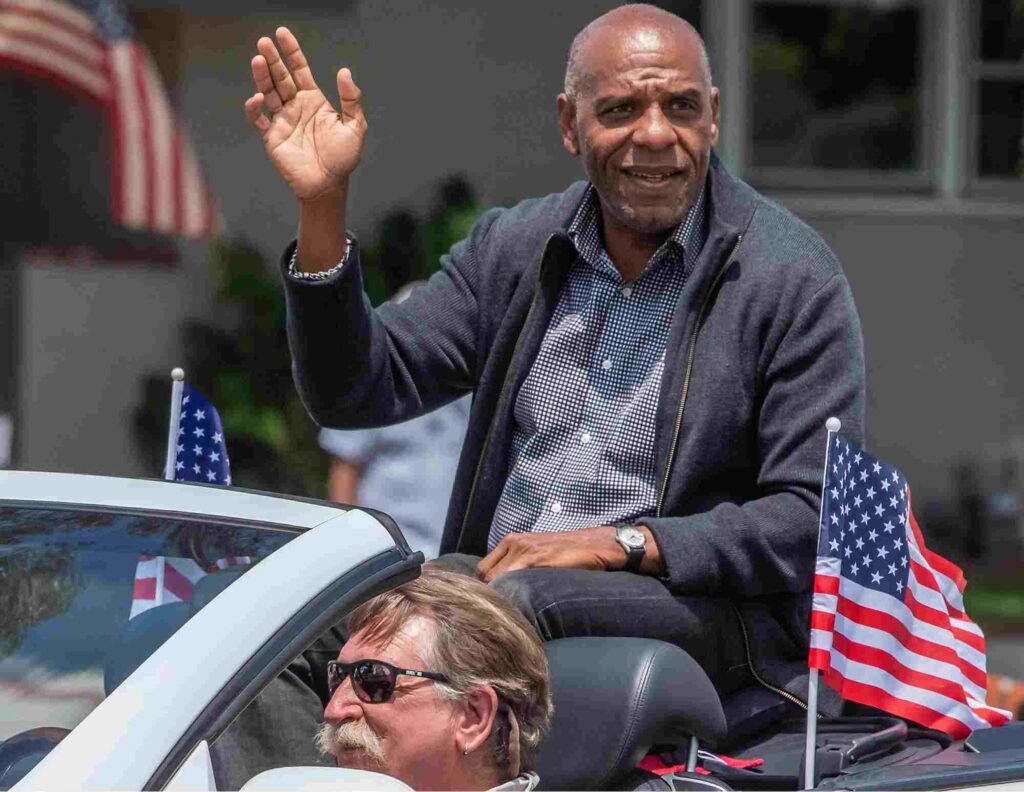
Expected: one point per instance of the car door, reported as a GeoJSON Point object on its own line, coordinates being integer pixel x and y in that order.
{"type": "Point", "coordinates": [155, 694]}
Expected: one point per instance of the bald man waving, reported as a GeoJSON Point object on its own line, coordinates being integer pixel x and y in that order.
{"type": "Point", "coordinates": [653, 354]}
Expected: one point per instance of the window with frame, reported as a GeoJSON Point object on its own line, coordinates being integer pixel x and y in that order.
{"type": "Point", "coordinates": [998, 87]}
{"type": "Point", "coordinates": [838, 94]}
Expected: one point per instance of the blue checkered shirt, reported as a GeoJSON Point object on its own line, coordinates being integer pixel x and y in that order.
{"type": "Point", "coordinates": [583, 444]}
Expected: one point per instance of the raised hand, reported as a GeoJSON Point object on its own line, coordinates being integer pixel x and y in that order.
{"type": "Point", "coordinates": [312, 146]}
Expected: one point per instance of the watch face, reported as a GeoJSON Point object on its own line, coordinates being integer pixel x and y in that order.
{"type": "Point", "coordinates": [632, 537]}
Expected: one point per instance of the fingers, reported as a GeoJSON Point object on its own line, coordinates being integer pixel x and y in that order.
{"type": "Point", "coordinates": [351, 98]}
{"type": "Point", "coordinates": [487, 569]}
{"type": "Point", "coordinates": [295, 60]}
{"type": "Point", "coordinates": [264, 82]}
{"type": "Point", "coordinates": [283, 82]}
{"type": "Point", "coordinates": [254, 113]}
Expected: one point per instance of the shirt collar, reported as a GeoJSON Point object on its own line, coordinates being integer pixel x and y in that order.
{"type": "Point", "coordinates": [682, 245]}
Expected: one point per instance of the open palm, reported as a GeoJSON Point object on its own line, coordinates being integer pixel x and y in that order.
{"type": "Point", "coordinates": [313, 147]}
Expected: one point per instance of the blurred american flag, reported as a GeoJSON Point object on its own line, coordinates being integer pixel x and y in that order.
{"type": "Point", "coordinates": [89, 48]}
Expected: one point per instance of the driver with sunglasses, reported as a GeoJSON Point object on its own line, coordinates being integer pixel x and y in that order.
{"type": "Point", "coordinates": [442, 684]}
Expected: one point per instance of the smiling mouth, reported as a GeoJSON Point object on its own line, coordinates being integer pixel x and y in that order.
{"type": "Point", "coordinates": [653, 177]}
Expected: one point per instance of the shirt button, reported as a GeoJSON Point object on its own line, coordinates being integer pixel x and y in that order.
{"type": "Point", "coordinates": [627, 290]}
{"type": "Point", "coordinates": [606, 364]}
{"type": "Point", "coordinates": [556, 507]}
{"type": "Point", "coordinates": [585, 437]}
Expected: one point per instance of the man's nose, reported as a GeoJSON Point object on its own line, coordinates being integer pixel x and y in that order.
{"type": "Point", "coordinates": [344, 705]}
{"type": "Point", "coordinates": [653, 129]}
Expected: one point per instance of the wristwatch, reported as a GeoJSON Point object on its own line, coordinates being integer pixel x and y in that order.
{"type": "Point", "coordinates": [634, 542]}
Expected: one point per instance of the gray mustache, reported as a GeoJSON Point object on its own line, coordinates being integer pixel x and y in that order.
{"type": "Point", "coordinates": [357, 735]}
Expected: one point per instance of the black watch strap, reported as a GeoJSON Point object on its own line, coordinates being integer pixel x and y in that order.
{"type": "Point", "coordinates": [634, 557]}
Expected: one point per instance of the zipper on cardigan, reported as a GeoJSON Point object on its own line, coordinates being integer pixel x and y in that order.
{"type": "Point", "coordinates": [792, 699]}
{"type": "Point", "coordinates": [691, 354]}
{"type": "Point", "coordinates": [504, 386]}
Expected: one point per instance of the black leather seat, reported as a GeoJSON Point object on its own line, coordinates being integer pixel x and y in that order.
{"type": "Point", "coordinates": [614, 699]}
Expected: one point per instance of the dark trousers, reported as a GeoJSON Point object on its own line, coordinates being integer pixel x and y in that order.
{"type": "Point", "coordinates": [564, 603]}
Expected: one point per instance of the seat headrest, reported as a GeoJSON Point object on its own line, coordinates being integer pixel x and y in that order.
{"type": "Point", "coordinates": [614, 699]}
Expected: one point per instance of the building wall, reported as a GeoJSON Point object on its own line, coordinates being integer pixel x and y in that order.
{"type": "Point", "coordinates": [460, 89]}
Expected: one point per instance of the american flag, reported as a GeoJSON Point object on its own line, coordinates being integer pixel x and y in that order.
{"type": "Point", "coordinates": [888, 627]}
{"type": "Point", "coordinates": [160, 580]}
{"type": "Point", "coordinates": [201, 452]}
{"type": "Point", "coordinates": [88, 47]}
{"type": "Point", "coordinates": [201, 456]}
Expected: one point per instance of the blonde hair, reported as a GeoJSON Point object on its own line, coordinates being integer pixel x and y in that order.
{"type": "Point", "coordinates": [479, 639]}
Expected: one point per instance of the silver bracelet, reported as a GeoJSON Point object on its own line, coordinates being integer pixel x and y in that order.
{"type": "Point", "coordinates": [295, 272]}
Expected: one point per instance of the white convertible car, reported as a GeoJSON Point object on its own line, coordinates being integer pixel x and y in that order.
{"type": "Point", "coordinates": [245, 581]}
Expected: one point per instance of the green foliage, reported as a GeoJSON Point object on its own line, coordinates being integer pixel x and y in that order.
{"type": "Point", "coordinates": [240, 358]}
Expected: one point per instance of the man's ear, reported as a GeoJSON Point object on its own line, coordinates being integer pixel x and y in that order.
{"type": "Point", "coordinates": [567, 124]}
{"type": "Point", "coordinates": [475, 719]}
{"type": "Point", "coordinates": [714, 117]}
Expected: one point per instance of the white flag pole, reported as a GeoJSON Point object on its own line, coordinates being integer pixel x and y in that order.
{"type": "Point", "coordinates": [177, 388]}
{"type": "Point", "coordinates": [833, 425]}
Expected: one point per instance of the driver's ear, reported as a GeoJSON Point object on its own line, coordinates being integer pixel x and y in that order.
{"type": "Point", "coordinates": [475, 718]}
{"type": "Point", "coordinates": [567, 124]}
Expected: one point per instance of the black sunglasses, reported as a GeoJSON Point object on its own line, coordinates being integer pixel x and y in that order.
{"type": "Point", "coordinates": [373, 680]}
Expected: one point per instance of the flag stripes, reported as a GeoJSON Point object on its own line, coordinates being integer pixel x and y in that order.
{"type": "Point", "coordinates": [156, 184]}
{"type": "Point", "coordinates": [888, 626]}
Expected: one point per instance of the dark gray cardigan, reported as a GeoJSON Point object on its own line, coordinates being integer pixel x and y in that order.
{"type": "Point", "coordinates": [765, 345]}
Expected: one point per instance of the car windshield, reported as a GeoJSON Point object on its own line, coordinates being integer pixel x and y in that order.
{"type": "Point", "coordinates": [87, 595]}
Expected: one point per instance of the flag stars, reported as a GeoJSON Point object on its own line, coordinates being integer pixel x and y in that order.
{"type": "Point", "coordinates": [855, 569]}
{"type": "Point", "coordinates": [882, 552]}
{"type": "Point", "coordinates": [196, 469]}
{"type": "Point", "coordinates": [200, 415]}
{"type": "Point", "coordinates": [895, 477]}
{"type": "Point", "coordinates": [859, 543]}
{"type": "Point", "coordinates": [835, 519]}
{"type": "Point", "coordinates": [857, 457]}
{"type": "Point", "coordinates": [885, 484]}
{"type": "Point", "coordinates": [197, 450]}
{"type": "Point", "coordinates": [179, 465]}
{"type": "Point", "coordinates": [871, 493]}
{"type": "Point", "coordinates": [834, 545]}
{"type": "Point", "coordinates": [864, 519]}
{"type": "Point", "coordinates": [211, 476]}
{"type": "Point", "coordinates": [863, 475]}
{"type": "Point", "coordinates": [892, 569]}
{"type": "Point", "coordinates": [835, 493]}
{"type": "Point", "coordinates": [876, 468]}
{"type": "Point", "coordinates": [866, 560]}
{"type": "Point", "coordinates": [879, 509]}
{"type": "Point", "coordinates": [876, 578]}
{"type": "Point", "coordinates": [872, 535]}
{"type": "Point", "coordinates": [847, 552]}
{"type": "Point", "coordinates": [857, 501]}
{"type": "Point", "coordinates": [218, 437]}
{"type": "Point", "coordinates": [899, 585]}
{"type": "Point", "coordinates": [889, 527]}
{"type": "Point", "coordinates": [181, 448]}
{"type": "Point", "coordinates": [199, 432]}
{"type": "Point", "coordinates": [214, 456]}
{"type": "Point", "coordinates": [894, 502]}
{"type": "Point", "coordinates": [898, 545]}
